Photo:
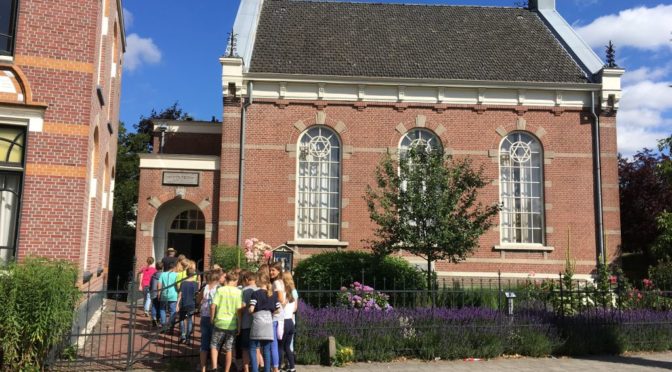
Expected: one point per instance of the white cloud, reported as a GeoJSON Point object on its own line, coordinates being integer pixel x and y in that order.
{"type": "Point", "coordinates": [647, 94]}
{"type": "Point", "coordinates": [644, 115]}
{"type": "Point", "coordinates": [128, 18]}
{"type": "Point", "coordinates": [640, 27]}
{"type": "Point", "coordinates": [631, 140]}
{"type": "Point", "coordinates": [140, 50]}
{"type": "Point", "coordinates": [645, 73]}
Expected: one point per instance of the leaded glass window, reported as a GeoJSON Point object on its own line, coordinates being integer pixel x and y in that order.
{"type": "Point", "coordinates": [12, 145]}
{"type": "Point", "coordinates": [318, 185]}
{"type": "Point", "coordinates": [190, 220]}
{"type": "Point", "coordinates": [419, 138]}
{"type": "Point", "coordinates": [12, 141]}
{"type": "Point", "coordinates": [521, 189]}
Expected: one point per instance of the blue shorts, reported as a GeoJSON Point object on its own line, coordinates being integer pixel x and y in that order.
{"type": "Point", "coordinates": [206, 333]}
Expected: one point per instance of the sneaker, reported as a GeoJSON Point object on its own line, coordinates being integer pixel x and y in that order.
{"type": "Point", "coordinates": [146, 313]}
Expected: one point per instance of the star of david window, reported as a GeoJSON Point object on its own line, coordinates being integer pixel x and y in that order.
{"type": "Point", "coordinates": [521, 189]}
{"type": "Point", "coordinates": [419, 139]}
{"type": "Point", "coordinates": [318, 185]}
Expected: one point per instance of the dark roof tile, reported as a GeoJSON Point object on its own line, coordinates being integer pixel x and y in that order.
{"type": "Point", "coordinates": [409, 41]}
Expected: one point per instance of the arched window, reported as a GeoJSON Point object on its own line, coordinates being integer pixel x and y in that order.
{"type": "Point", "coordinates": [521, 177]}
{"type": "Point", "coordinates": [94, 154]}
{"type": "Point", "coordinates": [419, 137]}
{"type": "Point", "coordinates": [191, 220]}
{"type": "Point", "coordinates": [12, 156]}
{"type": "Point", "coordinates": [318, 182]}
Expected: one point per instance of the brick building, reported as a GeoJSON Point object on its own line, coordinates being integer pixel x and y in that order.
{"type": "Point", "coordinates": [319, 91]}
{"type": "Point", "coordinates": [60, 73]}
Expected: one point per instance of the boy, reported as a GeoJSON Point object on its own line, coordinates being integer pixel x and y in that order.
{"type": "Point", "coordinates": [226, 310]}
{"type": "Point", "coordinates": [168, 297]}
{"type": "Point", "coordinates": [186, 306]}
{"type": "Point", "coordinates": [154, 293]}
{"type": "Point", "coordinates": [249, 281]}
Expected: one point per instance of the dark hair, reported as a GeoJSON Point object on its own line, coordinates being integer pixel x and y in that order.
{"type": "Point", "coordinates": [278, 266]}
{"type": "Point", "coordinates": [190, 271]}
{"type": "Point", "coordinates": [213, 276]}
{"type": "Point", "coordinates": [159, 266]}
{"type": "Point", "coordinates": [150, 260]}
{"type": "Point", "coordinates": [248, 275]}
{"type": "Point", "coordinates": [232, 276]}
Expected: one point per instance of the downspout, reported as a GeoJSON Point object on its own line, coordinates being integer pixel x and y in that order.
{"type": "Point", "coordinates": [598, 178]}
{"type": "Point", "coordinates": [241, 165]}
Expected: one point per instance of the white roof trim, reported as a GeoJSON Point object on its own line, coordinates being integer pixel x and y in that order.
{"type": "Point", "coordinates": [408, 82]}
{"type": "Point", "coordinates": [184, 162]}
{"type": "Point", "coordinates": [575, 43]}
{"type": "Point", "coordinates": [188, 126]}
{"type": "Point", "coordinates": [245, 27]}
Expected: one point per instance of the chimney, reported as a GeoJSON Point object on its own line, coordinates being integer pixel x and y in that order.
{"type": "Point", "coordinates": [542, 4]}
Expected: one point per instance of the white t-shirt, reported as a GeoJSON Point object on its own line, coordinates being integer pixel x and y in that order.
{"type": "Point", "coordinates": [208, 295]}
{"type": "Point", "coordinates": [290, 307]}
{"type": "Point", "coordinates": [279, 286]}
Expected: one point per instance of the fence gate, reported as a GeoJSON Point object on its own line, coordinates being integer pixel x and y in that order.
{"type": "Point", "coordinates": [119, 336]}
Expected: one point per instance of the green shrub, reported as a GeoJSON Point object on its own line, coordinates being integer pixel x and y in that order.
{"type": "Point", "coordinates": [229, 257]}
{"type": "Point", "coordinates": [532, 342]}
{"type": "Point", "coordinates": [332, 270]}
{"type": "Point", "coordinates": [38, 298]}
{"type": "Point", "coordinates": [661, 275]}
{"type": "Point", "coordinates": [592, 339]}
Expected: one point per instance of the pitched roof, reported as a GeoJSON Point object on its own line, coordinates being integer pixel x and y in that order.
{"type": "Point", "coordinates": [409, 41]}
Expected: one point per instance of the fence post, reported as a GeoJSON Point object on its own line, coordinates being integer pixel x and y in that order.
{"type": "Point", "coordinates": [499, 289]}
{"type": "Point", "coordinates": [562, 299]}
{"type": "Point", "coordinates": [131, 320]}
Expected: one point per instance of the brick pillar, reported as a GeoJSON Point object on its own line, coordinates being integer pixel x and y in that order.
{"type": "Point", "coordinates": [229, 170]}
{"type": "Point", "coordinates": [610, 191]}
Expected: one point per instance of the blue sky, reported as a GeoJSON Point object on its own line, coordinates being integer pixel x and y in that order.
{"type": "Point", "coordinates": [174, 46]}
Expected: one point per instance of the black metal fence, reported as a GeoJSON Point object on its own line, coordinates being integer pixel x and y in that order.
{"type": "Point", "coordinates": [118, 336]}
{"type": "Point", "coordinates": [420, 323]}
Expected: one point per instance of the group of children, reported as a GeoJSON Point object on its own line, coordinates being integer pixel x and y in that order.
{"type": "Point", "coordinates": [244, 314]}
{"type": "Point", "coordinates": [169, 291]}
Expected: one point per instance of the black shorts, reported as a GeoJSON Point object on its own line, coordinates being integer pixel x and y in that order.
{"type": "Point", "coordinates": [239, 348]}
{"type": "Point", "coordinates": [244, 338]}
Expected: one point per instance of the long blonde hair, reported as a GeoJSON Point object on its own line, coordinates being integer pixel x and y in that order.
{"type": "Point", "coordinates": [264, 282]}
{"type": "Point", "coordinates": [289, 285]}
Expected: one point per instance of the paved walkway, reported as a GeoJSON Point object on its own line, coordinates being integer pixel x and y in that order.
{"type": "Point", "coordinates": [629, 363]}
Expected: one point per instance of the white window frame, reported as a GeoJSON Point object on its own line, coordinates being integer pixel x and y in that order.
{"type": "Point", "coordinates": [318, 241]}
{"type": "Point", "coordinates": [401, 150]}
{"type": "Point", "coordinates": [542, 211]}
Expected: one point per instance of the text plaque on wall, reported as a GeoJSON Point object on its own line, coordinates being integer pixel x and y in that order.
{"type": "Point", "coordinates": [180, 178]}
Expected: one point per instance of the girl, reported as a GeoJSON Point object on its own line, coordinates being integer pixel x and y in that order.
{"type": "Point", "coordinates": [279, 288]}
{"type": "Point", "coordinates": [291, 306]}
{"type": "Point", "coordinates": [146, 274]}
{"type": "Point", "coordinates": [263, 304]}
{"type": "Point", "coordinates": [186, 306]}
{"type": "Point", "coordinates": [212, 278]}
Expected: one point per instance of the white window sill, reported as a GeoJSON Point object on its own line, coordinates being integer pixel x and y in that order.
{"type": "Point", "coordinates": [318, 243]}
{"type": "Point", "coordinates": [524, 247]}
{"type": "Point", "coordinates": [6, 59]}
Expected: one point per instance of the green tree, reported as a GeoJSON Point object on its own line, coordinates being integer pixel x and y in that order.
{"type": "Point", "coordinates": [131, 144]}
{"type": "Point", "coordinates": [665, 148]}
{"type": "Point", "coordinates": [426, 204]}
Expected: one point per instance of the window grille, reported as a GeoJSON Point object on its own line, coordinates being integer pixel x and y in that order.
{"type": "Point", "coordinates": [521, 189]}
{"type": "Point", "coordinates": [318, 185]}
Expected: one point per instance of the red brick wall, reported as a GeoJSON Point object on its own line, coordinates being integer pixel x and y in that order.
{"type": "Point", "coordinates": [204, 196]}
{"type": "Point", "coordinates": [58, 47]}
{"type": "Point", "coordinates": [270, 187]}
